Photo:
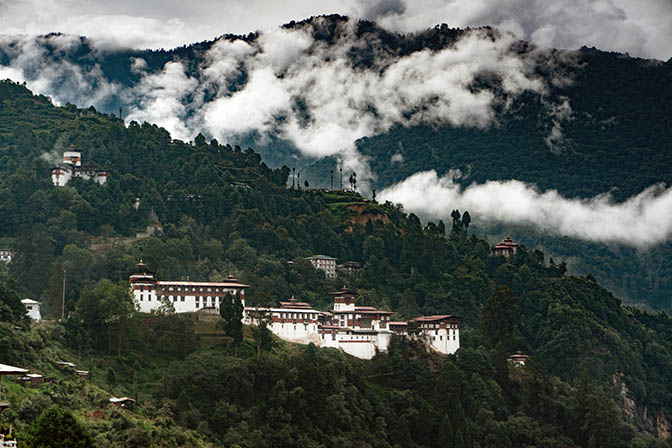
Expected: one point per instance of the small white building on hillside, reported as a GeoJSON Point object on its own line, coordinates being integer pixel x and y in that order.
{"type": "Point", "coordinates": [6, 255]}
{"type": "Point", "coordinates": [185, 296]}
{"type": "Point", "coordinates": [72, 167]}
{"type": "Point", "coordinates": [440, 332]}
{"type": "Point", "coordinates": [324, 263]}
{"type": "Point", "coordinates": [32, 308]}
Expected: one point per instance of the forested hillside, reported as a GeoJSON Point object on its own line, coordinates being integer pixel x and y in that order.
{"type": "Point", "coordinates": [599, 372]}
{"type": "Point", "coordinates": [601, 124]}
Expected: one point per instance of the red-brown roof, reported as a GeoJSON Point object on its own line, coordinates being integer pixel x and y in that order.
{"type": "Point", "coordinates": [518, 355]}
{"type": "Point", "coordinates": [343, 292]}
{"type": "Point", "coordinates": [433, 318]}
{"type": "Point", "coordinates": [507, 243]}
{"type": "Point", "coordinates": [295, 305]}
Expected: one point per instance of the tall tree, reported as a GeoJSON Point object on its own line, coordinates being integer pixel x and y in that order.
{"type": "Point", "coordinates": [466, 220]}
{"type": "Point", "coordinates": [58, 428]}
{"type": "Point", "coordinates": [500, 318]}
{"type": "Point", "coordinates": [231, 311]}
{"type": "Point", "coordinates": [104, 311]}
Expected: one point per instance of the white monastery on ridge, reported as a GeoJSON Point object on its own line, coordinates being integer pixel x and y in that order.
{"type": "Point", "coordinates": [361, 331]}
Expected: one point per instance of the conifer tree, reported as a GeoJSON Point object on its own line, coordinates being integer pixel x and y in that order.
{"type": "Point", "coordinates": [231, 311]}
{"type": "Point", "coordinates": [446, 435]}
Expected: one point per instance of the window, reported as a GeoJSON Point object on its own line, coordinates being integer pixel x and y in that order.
{"type": "Point", "coordinates": [182, 298]}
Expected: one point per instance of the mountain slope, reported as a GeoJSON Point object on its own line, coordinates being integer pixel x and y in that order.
{"type": "Point", "coordinates": [593, 360]}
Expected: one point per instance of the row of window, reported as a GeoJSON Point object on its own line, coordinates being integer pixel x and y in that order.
{"type": "Point", "coordinates": [430, 326]}
{"type": "Point", "coordinates": [210, 301]}
{"type": "Point", "coordinates": [191, 289]}
{"type": "Point", "coordinates": [298, 316]}
{"type": "Point", "coordinates": [441, 337]}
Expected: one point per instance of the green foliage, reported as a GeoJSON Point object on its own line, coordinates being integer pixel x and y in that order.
{"type": "Point", "coordinates": [231, 311]}
{"type": "Point", "coordinates": [58, 428]}
{"type": "Point", "coordinates": [104, 310]}
{"type": "Point", "coordinates": [500, 318]}
{"type": "Point", "coordinates": [271, 394]}
{"type": "Point", "coordinates": [11, 308]}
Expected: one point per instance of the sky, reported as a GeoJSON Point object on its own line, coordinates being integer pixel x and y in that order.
{"type": "Point", "coordinates": [642, 28]}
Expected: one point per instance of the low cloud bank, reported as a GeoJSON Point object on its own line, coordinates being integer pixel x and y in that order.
{"type": "Point", "coordinates": [297, 88]}
{"type": "Point", "coordinates": [642, 221]}
{"type": "Point", "coordinates": [641, 28]}
{"type": "Point", "coordinates": [311, 95]}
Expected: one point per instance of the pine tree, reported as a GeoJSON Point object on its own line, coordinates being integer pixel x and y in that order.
{"type": "Point", "coordinates": [231, 311]}
{"type": "Point", "coordinates": [445, 437]}
{"type": "Point", "coordinates": [466, 220]}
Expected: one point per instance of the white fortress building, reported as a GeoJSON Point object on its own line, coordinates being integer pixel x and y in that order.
{"type": "Point", "coordinates": [185, 296]}
{"type": "Point", "coordinates": [72, 167]}
{"type": "Point", "coordinates": [361, 331]}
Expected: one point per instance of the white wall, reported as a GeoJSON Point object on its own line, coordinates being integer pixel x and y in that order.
{"type": "Point", "coordinates": [362, 350]}
{"type": "Point", "coordinates": [33, 310]}
{"type": "Point", "coordinates": [149, 300]}
{"type": "Point", "coordinates": [60, 177]}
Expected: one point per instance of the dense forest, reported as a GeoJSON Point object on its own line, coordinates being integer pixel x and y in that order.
{"type": "Point", "coordinates": [598, 373]}
{"type": "Point", "coordinates": [615, 138]}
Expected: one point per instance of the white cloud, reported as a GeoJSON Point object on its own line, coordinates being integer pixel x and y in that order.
{"type": "Point", "coordinates": [641, 27]}
{"type": "Point", "coordinates": [641, 221]}
{"type": "Point", "coordinates": [60, 79]}
{"type": "Point", "coordinates": [162, 99]}
{"type": "Point", "coordinates": [311, 95]}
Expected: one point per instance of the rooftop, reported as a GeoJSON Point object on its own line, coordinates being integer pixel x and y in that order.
{"type": "Point", "coordinates": [343, 292]}
{"type": "Point", "coordinates": [11, 370]}
{"type": "Point", "coordinates": [320, 257]}
{"type": "Point", "coordinates": [434, 318]}
{"type": "Point", "coordinates": [507, 243]}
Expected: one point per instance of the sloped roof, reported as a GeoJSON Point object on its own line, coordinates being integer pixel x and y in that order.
{"type": "Point", "coordinates": [320, 257]}
{"type": "Point", "coordinates": [11, 370]}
